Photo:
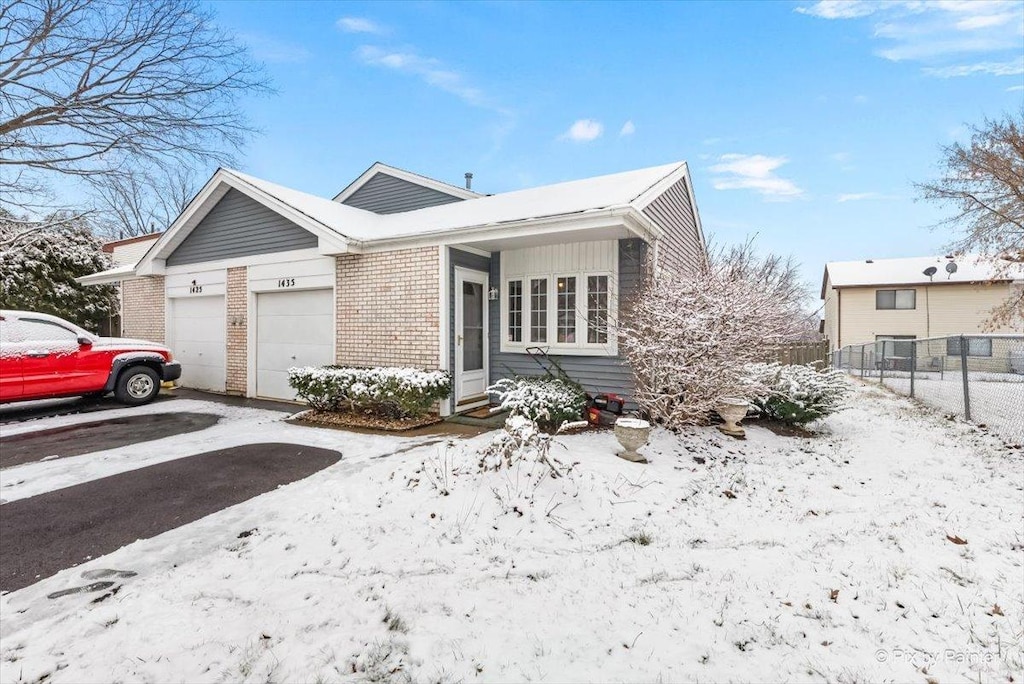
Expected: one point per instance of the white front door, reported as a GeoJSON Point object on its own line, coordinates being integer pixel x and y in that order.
{"type": "Point", "coordinates": [198, 341]}
{"type": "Point", "coordinates": [292, 329]}
{"type": "Point", "coordinates": [470, 338]}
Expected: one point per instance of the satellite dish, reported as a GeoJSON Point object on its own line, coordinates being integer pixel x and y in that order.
{"type": "Point", "coordinates": [930, 271]}
{"type": "Point", "coordinates": [951, 267]}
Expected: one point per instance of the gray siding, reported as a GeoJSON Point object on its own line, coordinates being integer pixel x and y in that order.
{"type": "Point", "coordinates": [596, 373]}
{"type": "Point", "coordinates": [679, 248]}
{"type": "Point", "coordinates": [384, 194]}
{"type": "Point", "coordinates": [240, 226]}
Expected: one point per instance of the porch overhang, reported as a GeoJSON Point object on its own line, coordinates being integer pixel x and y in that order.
{"type": "Point", "coordinates": [111, 275]}
{"type": "Point", "coordinates": [603, 224]}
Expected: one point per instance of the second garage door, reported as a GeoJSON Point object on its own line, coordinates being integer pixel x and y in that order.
{"type": "Point", "coordinates": [292, 329]}
{"type": "Point", "coordinates": [197, 340]}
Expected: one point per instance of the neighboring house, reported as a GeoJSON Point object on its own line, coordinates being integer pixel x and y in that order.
{"type": "Point", "coordinates": [894, 299]}
{"type": "Point", "coordinates": [124, 254]}
{"type": "Point", "coordinates": [403, 270]}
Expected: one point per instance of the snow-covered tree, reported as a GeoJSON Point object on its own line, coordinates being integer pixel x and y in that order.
{"type": "Point", "coordinates": [38, 267]}
{"type": "Point", "coordinates": [689, 336]}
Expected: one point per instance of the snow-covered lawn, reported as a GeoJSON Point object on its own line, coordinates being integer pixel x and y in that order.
{"type": "Point", "coordinates": [776, 558]}
{"type": "Point", "coordinates": [996, 400]}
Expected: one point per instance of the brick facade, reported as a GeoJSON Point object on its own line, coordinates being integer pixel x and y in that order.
{"type": "Point", "coordinates": [238, 330]}
{"type": "Point", "coordinates": [142, 308]}
{"type": "Point", "coordinates": [387, 308]}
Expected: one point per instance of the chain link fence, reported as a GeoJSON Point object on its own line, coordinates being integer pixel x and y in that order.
{"type": "Point", "coordinates": [977, 377]}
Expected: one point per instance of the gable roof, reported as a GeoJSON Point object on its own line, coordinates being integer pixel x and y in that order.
{"type": "Point", "coordinates": [340, 226]}
{"type": "Point", "coordinates": [402, 174]}
{"type": "Point", "coordinates": [970, 268]}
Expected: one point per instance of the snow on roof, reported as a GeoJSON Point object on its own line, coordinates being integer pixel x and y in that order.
{"type": "Point", "coordinates": [111, 275]}
{"type": "Point", "coordinates": [572, 197]}
{"type": "Point", "coordinates": [970, 268]}
{"type": "Point", "coordinates": [341, 218]}
{"type": "Point", "coordinates": [589, 194]}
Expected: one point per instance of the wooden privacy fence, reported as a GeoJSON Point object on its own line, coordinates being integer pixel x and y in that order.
{"type": "Point", "coordinates": [799, 353]}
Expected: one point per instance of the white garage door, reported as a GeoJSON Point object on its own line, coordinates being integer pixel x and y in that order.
{"type": "Point", "coordinates": [292, 329]}
{"type": "Point", "coordinates": [198, 342]}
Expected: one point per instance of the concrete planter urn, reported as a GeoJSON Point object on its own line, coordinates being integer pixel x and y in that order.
{"type": "Point", "coordinates": [632, 434]}
{"type": "Point", "coordinates": [732, 411]}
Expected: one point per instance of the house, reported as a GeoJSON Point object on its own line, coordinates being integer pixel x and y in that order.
{"type": "Point", "coordinates": [403, 270]}
{"type": "Point", "coordinates": [914, 298]}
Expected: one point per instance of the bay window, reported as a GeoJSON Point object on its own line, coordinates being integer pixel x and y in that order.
{"type": "Point", "coordinates": [569, 313]}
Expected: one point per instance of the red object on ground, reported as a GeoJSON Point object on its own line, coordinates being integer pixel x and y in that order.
{"type": "Point", "coordinates": [42, 357]}
{"type": "Point", "coordinates": [603, 409]}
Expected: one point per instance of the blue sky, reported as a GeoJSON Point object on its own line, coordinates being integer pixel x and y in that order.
{"type": "Point", "coordinates": [805, 123]}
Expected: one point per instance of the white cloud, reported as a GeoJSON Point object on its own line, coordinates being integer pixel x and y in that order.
{"type": "Point", "coordinates": [1014, 89]}
{"type": "Point", "coordinates": [628, 128]}
{"type": "Point", "coordinates": [935, 32]}
{"type": "Point", "coordinates": [754, 172]}
{"type": "Point", "coordinates": [839, 9]}
{"type": "Point", "coordinates": [583, 130]}
{"type": "Point", "coordinates": [274, 51]}
{"type": "Point", "coordinates": [1011, 68]}
{"type": "Point", "coordinates": [360, 25]}
{"type": "Point", "coordinates": [860, 196]}
{"type": "Point", "coordinates": [428, 69]}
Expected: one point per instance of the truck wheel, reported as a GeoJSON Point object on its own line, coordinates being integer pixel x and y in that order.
{"type": "Point", "coordinates": [137, 385]}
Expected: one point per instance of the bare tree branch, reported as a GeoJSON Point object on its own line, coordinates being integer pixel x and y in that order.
{"type": "Point", "coordinates": [90, 88]}
{"type": "Point", "coordinates": [984, 183]}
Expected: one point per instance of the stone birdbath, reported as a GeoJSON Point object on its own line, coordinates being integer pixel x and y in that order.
{"type": "Point", "coordinates": [632, 434]}
{"type": "Point", "coordinates": [732, 411]}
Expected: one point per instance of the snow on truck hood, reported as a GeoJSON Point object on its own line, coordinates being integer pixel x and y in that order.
{"type": "Point", "coordinates": [140, 345]}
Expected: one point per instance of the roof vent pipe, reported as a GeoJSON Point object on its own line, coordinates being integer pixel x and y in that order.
{"type": "Point", "coordinates": [469, 180]}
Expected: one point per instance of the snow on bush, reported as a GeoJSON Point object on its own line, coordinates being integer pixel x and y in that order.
{"type": "Point", "coordinates": [549, 402]}
{"type": "Point", "coordinates": [798, 393]}
{"type": "Point", "coordinates": [39, 262]}
{"type": "Point", "coordinates": [689, 336]}
{"type": "Point", "coordinates": [521, 453]}
{"type": "Point", "coordinates": [387, 392]}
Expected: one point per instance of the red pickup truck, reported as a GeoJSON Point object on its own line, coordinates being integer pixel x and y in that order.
{"type": "Point", "coordinates": [43, 356]}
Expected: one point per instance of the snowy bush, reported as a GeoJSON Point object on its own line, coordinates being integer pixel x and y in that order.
{"type": "Point", "coordinates": [39, 263]}
{"type": "Point", "coordinates": [522, 453]}
{"type": "Point", "coordinates": [549, 402]}
{"type": "Point", "coordinates": [797, 394]}
{"type": "Point", "coordinates": [387, 392]}
{"type": "Point", "coordinates": [688, 336]}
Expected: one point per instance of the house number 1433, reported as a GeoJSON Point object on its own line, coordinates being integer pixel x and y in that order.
{"type": "Point", "coordinates": [286, 282]}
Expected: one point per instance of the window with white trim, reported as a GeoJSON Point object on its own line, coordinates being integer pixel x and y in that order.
{"type": "Point", "coordinates": [561, 297]}
{"type": "Point", "coordinates": [539, 309]}
{"type": "Point", "coordinates": [515, 311]}
{"type": "Point", "coordinates": [597, 309]}
{"type": "Point", "coordinates": [568, 313]}
{"type": "Point", "coordinates": [565, 287]}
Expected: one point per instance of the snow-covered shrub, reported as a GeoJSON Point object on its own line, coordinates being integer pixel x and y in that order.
{"type": "Point", "coordinates": [39, 262]}
{"type": "Point", "coordinates": [797, 394]}
{"type": "Point", "coordinates": [689, 335]}
{"type": "Point", "coordinates": [522, 453]}
{"type": "Point", "coordinates": [387, 392]}
{"type": "Point", "coordinates": [549, 402]}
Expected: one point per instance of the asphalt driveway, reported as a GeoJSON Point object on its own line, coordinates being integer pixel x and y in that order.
{"type": "Point", "coordinates": [45, 534]}
{"type": "Point", "coordinates": [84, 438]}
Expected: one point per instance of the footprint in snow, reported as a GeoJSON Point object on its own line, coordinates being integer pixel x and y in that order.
{"type": "Point", "coordinates": [102, 573]}
{"type": "Point", "coordinates": [95, 586]}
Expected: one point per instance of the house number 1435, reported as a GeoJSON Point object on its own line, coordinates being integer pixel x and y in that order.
{"type": "Point", "coordinates": [286, 282]}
